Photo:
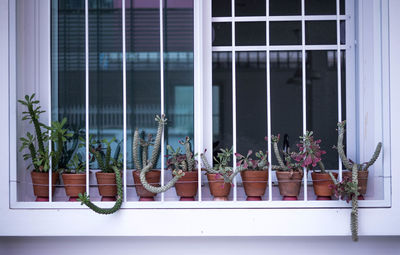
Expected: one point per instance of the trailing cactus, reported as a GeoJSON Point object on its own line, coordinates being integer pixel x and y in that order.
{"type": "Point", "coordinates": [221, 166]}
{"type": "Point", "coordinates": [148, 165]}
{"type": "Point", "coordinates": [85, 199]}
{"type": "Point", "coordinates": [348, 189]}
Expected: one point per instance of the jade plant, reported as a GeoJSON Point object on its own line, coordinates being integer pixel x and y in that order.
{"type": "Point", "coordinates": [145, 165]}
{"type": "Point", "coordinates": [179, 161]}
{"type": "Point", "coordinates": [41, 156]}
{"type": "Point", "coordinates": [348, 188]}
{"type": "Point", "coordinates": [107, 164]}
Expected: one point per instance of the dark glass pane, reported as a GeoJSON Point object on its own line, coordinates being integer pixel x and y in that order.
{"type": "Point", "coordinates": [321, 32]}
{"type": "Point", "coordinates": [284, 7]}
{"type": "Point", "coordinates": [250, 33]}
{"type": "Point", "coordinates": [342, 7]}
{"type": "Point", "coordinates": [251, 101]}
{"type": "Point", "coordinates": [222, 34]}
{"type": "Point", "coordinates": [286, 97]}
{"type": "Point", "coordinates": [143, 68]}
{"type": "Point", "coordinates": [178, 71]}
{"type": "Point", "coordinates": [222, 100]}
{"type": "Point", "coordinates": [342, 32]}
{"type": "Point", "coordinates": [343, 82]}
{"type": "Point", "coordinates": [318, 7]}
{"type": "Point", "coordinates": [250, 7]}
{"type": "Point", "coordinates": [322, 101]}
{"type": "Point", "coordinates": [285, 33]}
{"type": "Point", "coordinates": [221, 8]}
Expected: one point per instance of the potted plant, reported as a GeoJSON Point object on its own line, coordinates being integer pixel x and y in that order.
{"type": "Point", "coordinates": [74, 177]}
{"type": "Point", "coordinates": [254, 174]}
{"type": "Point", "coordinates": [352, 187]}
{"type": "Point", "coordinates": [39, 154]}
{"type": "Point", "coordinates": [220, 176]}
{"type": "Point", "coordinates": [145, 177]}
{"type": "Point", "coordinates": [106, 177]}
{"type": "Point", "coordinates": [289, 174]}
{"type": "Point", "coordinates": [186, 187]}
{"type": "Point", "coordinates": [309, 155]}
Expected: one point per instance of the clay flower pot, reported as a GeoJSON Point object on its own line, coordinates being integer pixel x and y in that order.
{"type": "Point", "coordinates": [254, 183]}
{"type": "Point", "coordinates": [40, 181]}
{"type": "Point", "coordinates": [74, 184]}
{"type": "Point", "coordinates": [107, 186]}
{"type": "Point", "coordinates": [218, 188]}
{"type": "Point", "coordinates": [186, 186]}
{"type": "Point", "coordinates": [152, 177]}
{"type": "Point", "coordinates": [289, 184]}
{"type": "Point", "coordinates": [362, 182]}
{"type": "Point", "coordinates": [322, 185]}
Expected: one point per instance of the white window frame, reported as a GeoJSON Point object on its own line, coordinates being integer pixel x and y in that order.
{"type": "Point", "coordinates": [228, 222]}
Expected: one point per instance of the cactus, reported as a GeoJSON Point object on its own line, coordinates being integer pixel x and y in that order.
{"type": "Point", "coordinates": [222, 165]}
{"type": "Point", "coordinates": [178, 161]}
{"type": "Point", "coordinates": [349, 188]}
{"type": "Point", "coordinates": [148, 165]}
{"type": "Point", "coordinates": [85, 199]}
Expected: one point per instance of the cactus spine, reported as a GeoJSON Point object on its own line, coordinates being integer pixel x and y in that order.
{"type": "Point", "coordinates": [147, 166]}
{"type": "Point", "coordinates": [354, 167]}
{"type": "Point", "coordinates": [85, 199]}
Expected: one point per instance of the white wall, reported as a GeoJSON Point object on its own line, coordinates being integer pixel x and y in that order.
{"type": "Point", "coordinates": [231, 246]}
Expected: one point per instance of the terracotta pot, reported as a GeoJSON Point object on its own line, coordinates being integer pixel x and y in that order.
{"type": "Point", "coordinates": [186, 186]}
{"type": "Point", "coordinates": [40, 181]}
{"type": "Point", "coordinates": [218, 188]}
{"type": "Point", "coordinates": [152, 177]}
{"type": "Point", "coordinates": [321, 183]}
{"type": "Point", "coordinates": [289, 184]}
{"type": "Point", "coordinates": [74, 184]}
{"type": "Point", "coordinates": [362, 180]}
{"type": "Point", "coordinates": [107, 185]}
{"type": "Point", "coordinates": [254, 183]}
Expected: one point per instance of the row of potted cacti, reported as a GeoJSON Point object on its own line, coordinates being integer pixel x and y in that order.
{"type": "Point", "coordinates": [63, 156]}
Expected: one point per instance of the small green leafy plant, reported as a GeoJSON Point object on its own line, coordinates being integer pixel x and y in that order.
{"type": "Point", "coordinates": [222, 165]}
{"type": "Point", "coordinates": [248, 163]}
{"type": "Point", "coordinates": [177, 161]}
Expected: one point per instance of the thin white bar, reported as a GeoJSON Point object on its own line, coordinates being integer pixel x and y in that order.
{"type": "Point", "coordinates": [162, 91]}
{"type": "Point", "coordinates": [304, 84]}
{"type": "Point", "coordinates": [124, 92]}
{"type": "Point", "coordinates": [279, 48]}
{"type": "Point", "coordinates": [339, 75]}
{"type": "Point", "coordinates": [269, 131]}
{"type": "Point", "coordinates": [333, 204]}
{"type": "Point", "coordinates": [48, 12]}
{"type": "Point", "coordinates": [87, 93]}
{"type": "Point", "coordinates": [234, 100]}
{"type": "Point", "coordinates": [277, 18]}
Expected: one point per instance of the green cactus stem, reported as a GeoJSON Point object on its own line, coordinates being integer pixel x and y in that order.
{"type": "Point", "coordinates": [275, 140]}
{"type": "Point", "coordinates": [85, 199]}
{"type": "Point", "coordinates": [354, 205]}
{"type": "Point", "coordinates": [189, 154]}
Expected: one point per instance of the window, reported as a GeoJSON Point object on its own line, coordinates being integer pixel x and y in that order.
{"type": "Point", "coordinates": [116, 64]}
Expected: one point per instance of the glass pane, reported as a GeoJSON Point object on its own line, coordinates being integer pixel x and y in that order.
{"type": "Point", "coordinates": [342, 7]}
{"type": "Point", "coordinates": [321, 32]}
{"type": "Point", "coordinates": [284, 7]}
{"type": "Point", "coordinates": [286, 96]}
{"type": "Point", "coordinates": [221, 8]}
{"type": "Point", "coordinates": [250, 7]}
{"type": "Point", "coordinates": [222, 34]}
{"type": "Point", "coordinates": [285, 33]}
{"type": "Point", "coordinates": [342, 32]}
{"type": "Point", "coordinates": [322, 100]}
{"type": "Point", "coordinates": [222, 100]}
{"type": "Point", "coordinates": [250, 33]}
{"type": "Point", "coordinates": [318, 7]}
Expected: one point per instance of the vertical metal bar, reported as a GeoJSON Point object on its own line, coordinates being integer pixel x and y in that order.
{"type": "Point", "coordinates": [87, 92]}
{"type": "Point", "coordinates": [49, 110]}
{"type": "Point", "coordinates": [304, 84]}
{"type": "Point", "coordinates": [162, 90]}
{"type": "Point", "coordinates": [339, 74]}
{"type": "Point", "coordinates": [269, 129]}
{"type": "Point", "coordinates": [234, 98]}
{"type": "Point", "coordinates": [124, 90]}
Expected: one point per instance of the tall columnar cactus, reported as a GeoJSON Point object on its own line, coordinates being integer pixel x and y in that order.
{"type": "Point", "coordinates": [351, 187]}
{"type": "Point", "coordinates": [148, 165]}
{"type": "Point", "coordinates": [85, 199]}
